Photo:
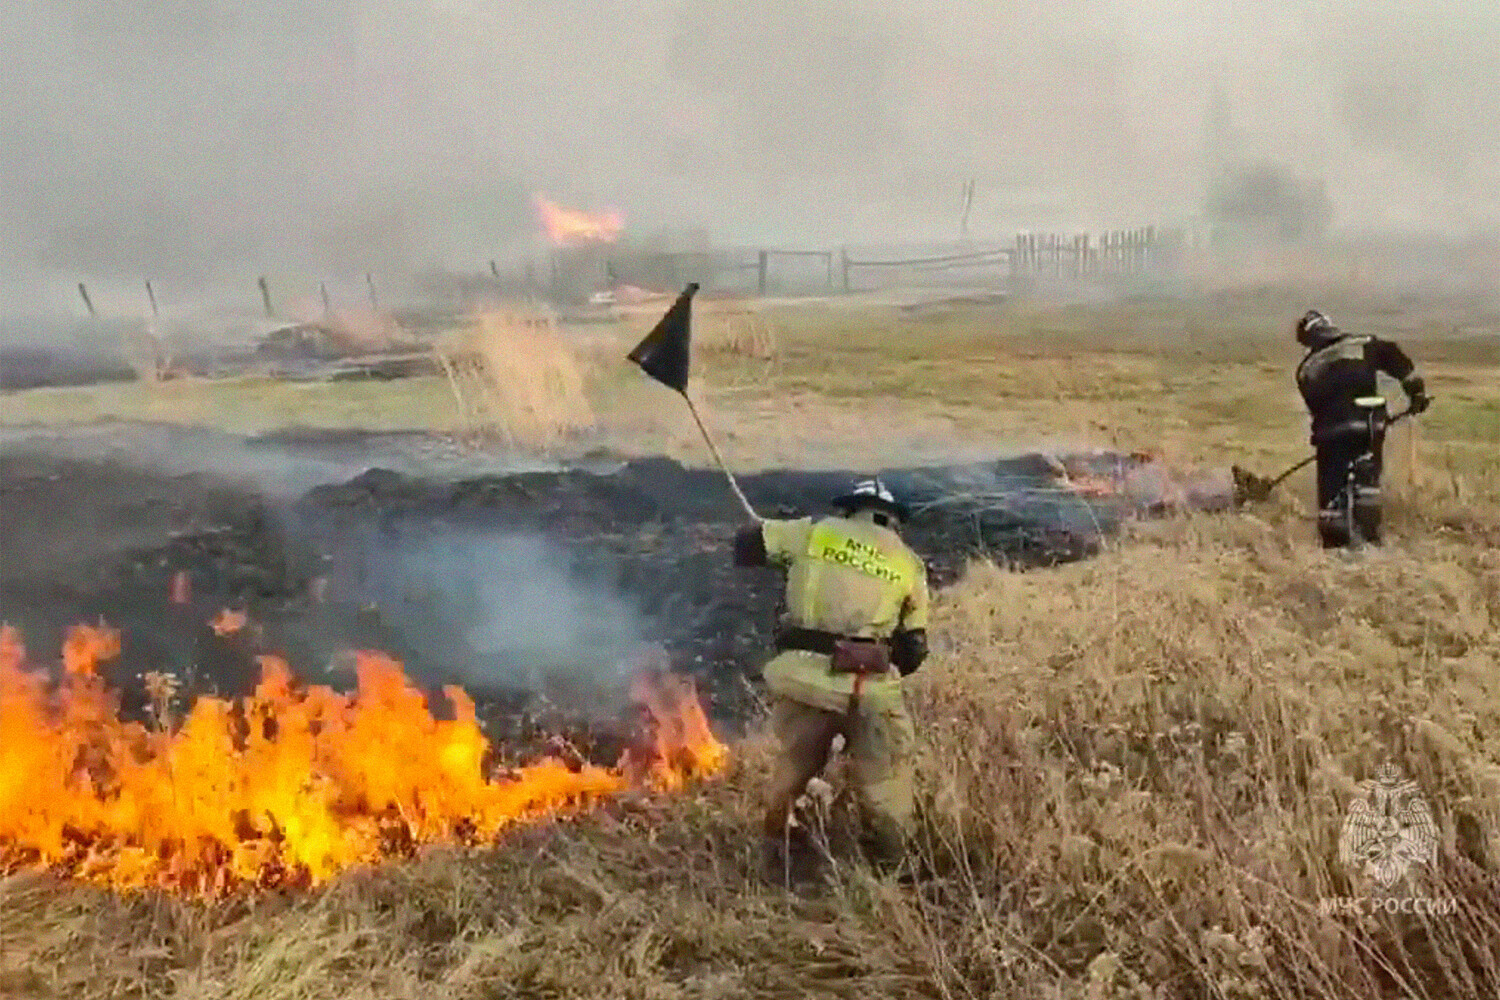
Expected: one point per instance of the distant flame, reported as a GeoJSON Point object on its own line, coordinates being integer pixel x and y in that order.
{"type": "Point", "coordinates": [228, 622]}
{"type": "Point", "coordinates": [287, 787]}
{"type": "Point", "coordinates": [568, 226]}
{"type": "Point", "coordinates": [1146, 480]}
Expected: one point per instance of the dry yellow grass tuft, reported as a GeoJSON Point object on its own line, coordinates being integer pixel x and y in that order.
{"type": "Point", "coordinates": [356, 329]}
{"type": "Point", "coordinates": [363, 329]}
{"type": "Point", "coordinates": [516, 379]}
{"type": "Point", "coordinates": [736, 327]}
{"type": "Point", "coordinates": [736, 346]}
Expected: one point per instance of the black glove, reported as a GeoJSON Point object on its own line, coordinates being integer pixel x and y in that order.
{"type": "Point", "coordinates": [1419, 403]}
{"type": "Point", "coordinates": [750, 547]}
{"type": "Point", "coordinates": [908, 650]}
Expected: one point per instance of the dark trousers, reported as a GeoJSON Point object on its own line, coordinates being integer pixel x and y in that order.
{"type": "Point", "coordinates": [1335, 456]}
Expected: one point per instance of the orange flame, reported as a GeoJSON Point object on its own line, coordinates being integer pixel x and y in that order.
{"type": "Point", "coordinates": [287, 787]}
{"type": "Point", "coordinates": [1144, 476]}
{"type": "Point", "coordinates": [1070, 475]}
{"type": "Point", "coordinates": [683, 746]}
{"type": "Point", "coordinates": [568, 226]}
{"type": "Point", "coordinates": [228, 622]}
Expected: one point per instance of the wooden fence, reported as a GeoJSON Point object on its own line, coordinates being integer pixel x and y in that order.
{"type": "Point", "coordinates": [1116, 253]}
{"type": "Point", "coordinates": [1030, 258]}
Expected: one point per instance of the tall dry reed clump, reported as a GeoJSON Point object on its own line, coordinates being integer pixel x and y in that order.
{"type": "Point", "coordinates": [1134, 773]}
{"type": "Point", "coordinates": [735, 344]}
{"type": "Point", "coordinates": [148, 351]}
{"type": "Point", "coordinates": [517, 379]}
{"type": "Point", "coordinates": [737, 328]}
{"type": "Point", "coordinates": [361, 330]}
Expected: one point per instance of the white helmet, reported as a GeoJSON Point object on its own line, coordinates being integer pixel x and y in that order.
{"type": "Point", "coordinates": [871, 494]}
{"type": "Point", "coordinates": [1315, 328]}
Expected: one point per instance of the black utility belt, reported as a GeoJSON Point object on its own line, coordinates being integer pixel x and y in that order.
{"type": "Point", "coordinates": [811, 640]}
{"type": "Point", "coordinates": [1346, 429]}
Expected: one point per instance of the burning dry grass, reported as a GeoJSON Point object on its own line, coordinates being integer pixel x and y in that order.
{"type": "Point", "coordinates": [292, 785]}
{"type": "Point", "coordinates": [516, 379]}
{"type": "Point", "coordinates": [1134, 773]}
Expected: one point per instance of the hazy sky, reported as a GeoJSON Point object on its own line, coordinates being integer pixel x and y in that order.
{"type": "Point", "coordinates": [192, 134]}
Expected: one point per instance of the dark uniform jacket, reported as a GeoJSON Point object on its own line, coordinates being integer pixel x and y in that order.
{"type": "Point", "coordinates": [1342, 370]}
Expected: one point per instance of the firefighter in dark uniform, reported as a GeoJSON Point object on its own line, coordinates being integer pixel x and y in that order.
{"type": "Point", "coordinates": [854, 625]}
{"type": "Point", "coordinates": [1337, 380]}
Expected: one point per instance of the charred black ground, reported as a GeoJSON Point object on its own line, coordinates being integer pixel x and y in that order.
{"type": "Point", "coordinates": [86, 540]}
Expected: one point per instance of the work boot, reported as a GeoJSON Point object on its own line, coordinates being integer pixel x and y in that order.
{"type": "Point", "coordinates": [788, 862]}
{"type": "Point", "coordinates": [884, 847]}
{"type": "Point", "coordinates": [903, 867]}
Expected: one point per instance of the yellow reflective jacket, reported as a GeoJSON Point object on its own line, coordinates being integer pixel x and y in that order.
{"type": "Point", "coordinates": [845, 575]}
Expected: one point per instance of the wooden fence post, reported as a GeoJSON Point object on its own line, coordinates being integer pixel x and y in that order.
{"type": "Point", "coordinates": [968, 202]}
{"type": "Point", "coordinates": [762, 262]}
{"type": "Point", "coordinates": [265, 297]}
{"type": "Point", "coordinates": [844, 259]}
{"type": "Point", "coordinates": [83, 293]}
{"type": "Point", "coordinates": [828, 263]}
{"type": "Point", "coordinates": [374, 299]}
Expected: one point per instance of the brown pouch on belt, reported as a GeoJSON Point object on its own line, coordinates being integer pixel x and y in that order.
{"type": "Point", "coordinates": [851, 656]}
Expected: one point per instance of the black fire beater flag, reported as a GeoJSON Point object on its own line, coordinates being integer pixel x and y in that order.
{"type": "Point", "coordinates": [664, 352]}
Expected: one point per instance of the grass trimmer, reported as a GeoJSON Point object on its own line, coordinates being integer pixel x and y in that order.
{"type": "Point", "coordinates": [1250, 488]}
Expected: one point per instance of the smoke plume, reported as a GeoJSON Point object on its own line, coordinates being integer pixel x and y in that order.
{"type": "Point", "coordinates": [178, 140]}
{"type": "Point", "coordinates": [506, 609]}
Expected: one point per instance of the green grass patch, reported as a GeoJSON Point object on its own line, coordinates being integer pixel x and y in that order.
{"type": "Point", "coordinates": [245, 406]}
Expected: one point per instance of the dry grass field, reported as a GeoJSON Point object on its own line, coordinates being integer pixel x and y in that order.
{"type": "Point", "coordinates": [1134, 770]}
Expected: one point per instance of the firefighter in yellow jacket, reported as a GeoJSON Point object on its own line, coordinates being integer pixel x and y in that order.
{"type": "Point", "coordinates": [855, 623]}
